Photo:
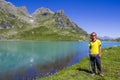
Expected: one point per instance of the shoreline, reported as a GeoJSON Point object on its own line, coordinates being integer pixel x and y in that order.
{"type": "Point", "coordinates": [78, 71]}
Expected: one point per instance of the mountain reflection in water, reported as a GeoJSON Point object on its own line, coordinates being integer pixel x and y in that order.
{"type": "Point", "coordinates": [27, 60]}
{"type": "Point", "coordinates": [35, 71]}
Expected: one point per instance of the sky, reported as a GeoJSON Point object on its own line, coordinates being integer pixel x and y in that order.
{"type": "Point", "coordinates": [100, 16]}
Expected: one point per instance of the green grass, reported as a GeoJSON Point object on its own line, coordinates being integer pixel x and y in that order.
{"type": "Point", "coordinates": [47, 33]}
{"type": "Point", "coordinates": [110, 66]}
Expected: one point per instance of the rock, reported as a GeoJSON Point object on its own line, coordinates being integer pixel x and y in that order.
{"type": "Point", "coordinates": [5, 25]}
{"type": "Point", "coordinates": [43, 11]}
{"type": "Point", "coordinates": [63, 22]}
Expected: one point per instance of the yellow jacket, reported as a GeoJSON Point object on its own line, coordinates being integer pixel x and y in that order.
{"type": "Point", "coordinates": [94, 46]}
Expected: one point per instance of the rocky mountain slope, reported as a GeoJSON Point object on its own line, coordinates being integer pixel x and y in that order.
{"type": "Point", "coordinates": [17, 24]}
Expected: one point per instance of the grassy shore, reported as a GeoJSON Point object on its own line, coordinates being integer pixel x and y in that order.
{"type": "Point", "coordinates": [110, 66]}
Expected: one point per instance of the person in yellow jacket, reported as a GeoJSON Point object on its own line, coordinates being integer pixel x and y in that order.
{"type": "Point", "coordinates": [95, 53]}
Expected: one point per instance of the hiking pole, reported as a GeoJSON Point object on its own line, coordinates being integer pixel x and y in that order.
{"type": "Point", "coordinates": [89, 64]}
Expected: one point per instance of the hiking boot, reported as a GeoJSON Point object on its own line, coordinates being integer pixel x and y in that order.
{"type": "Point", "coordinates": [93, 74]}
{"type": "Point", "coordinates": [101, 74]}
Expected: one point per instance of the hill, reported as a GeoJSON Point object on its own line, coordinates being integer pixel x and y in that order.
{"type": "Point", "coordinates": [81, 71]}
{"type": "Point", "coordinates": [117, 39]}
{"type": "Point", "coordinates": [17, 24]}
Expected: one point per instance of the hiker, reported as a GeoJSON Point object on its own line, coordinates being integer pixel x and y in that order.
{"type": "Point", "coordinates": [95, 53]}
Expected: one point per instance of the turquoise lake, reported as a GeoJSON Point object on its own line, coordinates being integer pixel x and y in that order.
{"type": "Point", "coordinates": [19, 59]}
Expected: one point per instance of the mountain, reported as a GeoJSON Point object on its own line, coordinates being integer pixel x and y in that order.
{"type": "Point", "coordinates": [117, 39]}
{"type": "Point", "coordinates": [106, 38]}
{"type": "Point", "coordinates": [17, 24]}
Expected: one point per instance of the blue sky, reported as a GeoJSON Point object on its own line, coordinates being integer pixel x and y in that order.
{"type": "Point", "coordinates": [100, 16]}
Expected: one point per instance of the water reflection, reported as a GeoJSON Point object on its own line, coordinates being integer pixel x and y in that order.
{"type": "Point", "coordinates": [27, 60]}
{"type": "Point", "coordinates": [34, 71]}
{"type": "Point", "coordinates": [43, 58]}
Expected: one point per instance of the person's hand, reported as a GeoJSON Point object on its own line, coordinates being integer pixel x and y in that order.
{"type": "Point", "coordinates": [99, 54]}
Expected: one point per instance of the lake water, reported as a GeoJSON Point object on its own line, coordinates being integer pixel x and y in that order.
{"type": "Point", "coordinates": [20, 60]}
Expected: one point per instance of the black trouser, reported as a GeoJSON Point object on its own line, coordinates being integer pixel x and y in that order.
{"type": "Point", "coordinates": [95, 61]}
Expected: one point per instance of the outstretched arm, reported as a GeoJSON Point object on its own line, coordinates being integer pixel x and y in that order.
{"type": "Point", "coordinates": [100, 50]}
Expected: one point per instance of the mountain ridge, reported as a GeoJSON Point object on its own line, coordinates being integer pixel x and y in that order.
{"type": "Point", "coordinates": [16, 21]}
